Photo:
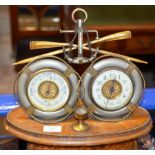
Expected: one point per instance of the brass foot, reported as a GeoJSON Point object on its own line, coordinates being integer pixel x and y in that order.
{"type": "Point", "coordinates": [81, 114]}
{"type": "Point", "coordinates": [80, 126]}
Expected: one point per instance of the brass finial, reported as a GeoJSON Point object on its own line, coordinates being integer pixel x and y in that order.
{"type": "Point", "coordinates": [81, 114]}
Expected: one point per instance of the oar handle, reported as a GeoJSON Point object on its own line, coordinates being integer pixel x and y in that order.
{"type": "Point", "coordinates": [46, 44]}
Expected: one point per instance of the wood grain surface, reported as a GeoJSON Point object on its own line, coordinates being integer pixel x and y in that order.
{"type": "Point", "coordinates": [21, 125]}
{"type": "Point", "coordinates": [127, 145]}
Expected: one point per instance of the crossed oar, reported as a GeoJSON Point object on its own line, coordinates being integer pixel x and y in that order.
{"type": "Point", "coordinates": [46, 44]}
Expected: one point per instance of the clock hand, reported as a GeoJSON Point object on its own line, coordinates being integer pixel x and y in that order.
{"type": "Point", "coordinates": [107, 103]}
{"type": "Point", "coordinates": [48, 103]}
{"type": "Point", "coordinates": [48, 90]}
{"type": "Point", "coordinates": [111, 90]}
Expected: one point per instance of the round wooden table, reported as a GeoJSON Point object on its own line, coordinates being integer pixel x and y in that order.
{"type": "Point", "coordinates": [101, 135]}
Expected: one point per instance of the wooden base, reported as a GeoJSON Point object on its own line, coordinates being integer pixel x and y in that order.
{"type": "Point", "coordinates": [101, 135]}
{"type": "Point", "coordinates": [127, 145]}
{"type": "Point", "coordinates": [3, 132]}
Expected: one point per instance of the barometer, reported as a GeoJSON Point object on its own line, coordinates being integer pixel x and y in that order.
{"type": "Point", "coordinates": [112, 88]}
{"type": "Point", "coordinates": [46, 88]}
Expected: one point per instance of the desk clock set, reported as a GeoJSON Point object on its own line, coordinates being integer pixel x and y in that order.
{"type": "Point", "coordinates": [51, 92]}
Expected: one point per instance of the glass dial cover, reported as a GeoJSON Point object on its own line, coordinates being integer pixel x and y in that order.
{"type": "Point", "coordinates": [48, 90]}
{"type": "Point", "coordinates": [112, 89]}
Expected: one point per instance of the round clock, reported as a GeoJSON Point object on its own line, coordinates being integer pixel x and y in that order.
{"type": "Point", "coordinates": [112, 88]}
{"type": "Point", "coordinates": [46, 88]}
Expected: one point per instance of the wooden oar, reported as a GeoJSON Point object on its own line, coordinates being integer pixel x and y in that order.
{"type": "Point", "coordinates": [86, 48]}
{"type": "Point", "coordinates": [119, 55]}
{"type": "Point", "coordinates": [112, 37]}
{"type": "Point", "coordinates": [116, 36]}
{"type": "Point", "coordinates": [40, 56]}
{"type": "Point", "coordinates": [46, 44]}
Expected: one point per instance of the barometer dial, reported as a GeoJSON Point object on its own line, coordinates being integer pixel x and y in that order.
{"type": "Point", "coordinates": [48, 90]}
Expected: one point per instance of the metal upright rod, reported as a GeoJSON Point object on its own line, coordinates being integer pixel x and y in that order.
{"type": "Point", "coordinates": [80, 38]}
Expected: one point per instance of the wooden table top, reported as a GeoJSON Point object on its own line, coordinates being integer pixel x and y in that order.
{"type": "Point", "coordinates": [22, 126]}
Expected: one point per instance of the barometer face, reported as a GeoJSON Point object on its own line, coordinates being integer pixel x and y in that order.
{"type": "Point", "coordinates": [48, 90]}
{"type": "Point", "coordinates": [112, 89]}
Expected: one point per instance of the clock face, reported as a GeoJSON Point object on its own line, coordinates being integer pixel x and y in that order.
{"type": "Point", "coordinates": [48, 90]}
{"type": "Point", "coordinates": [112, 89]}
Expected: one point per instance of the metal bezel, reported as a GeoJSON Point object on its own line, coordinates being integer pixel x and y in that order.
{"type": "Point", "coordinates": [130, 69]}
{"type": "Point", "coordinates": [47, 63]}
